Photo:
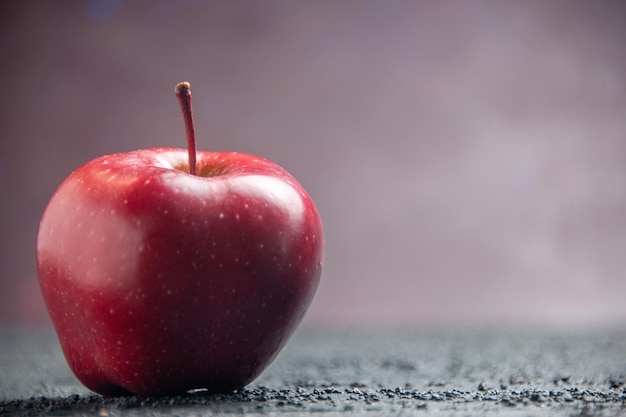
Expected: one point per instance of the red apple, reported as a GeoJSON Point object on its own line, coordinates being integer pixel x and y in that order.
{"type": "Point", "coordinates": [159, 281]}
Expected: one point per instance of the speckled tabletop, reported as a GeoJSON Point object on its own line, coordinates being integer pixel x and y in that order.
{"type": "Point", "coordinates": [388, 372]}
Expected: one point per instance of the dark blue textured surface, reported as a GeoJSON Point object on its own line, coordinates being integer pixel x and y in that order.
{"type": "Point", "coordinates": [331, 372]}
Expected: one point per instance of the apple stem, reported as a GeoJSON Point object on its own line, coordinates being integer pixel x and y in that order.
{"type": "Point", "coordinates": [183, 92]}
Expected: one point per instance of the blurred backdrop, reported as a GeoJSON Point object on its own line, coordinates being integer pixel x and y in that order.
{"type": "Point", "coordinates": [468, 158]}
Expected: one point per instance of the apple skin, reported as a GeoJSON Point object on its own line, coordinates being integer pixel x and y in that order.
{"type": "Point", "coordinates": [159, 282]}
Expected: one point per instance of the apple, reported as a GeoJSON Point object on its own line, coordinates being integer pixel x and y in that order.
{"type": "Point", "coordinates": [166, 270]}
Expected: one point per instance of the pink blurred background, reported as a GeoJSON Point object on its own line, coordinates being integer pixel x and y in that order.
{"type": "Point", "coordinates": [468, 157]}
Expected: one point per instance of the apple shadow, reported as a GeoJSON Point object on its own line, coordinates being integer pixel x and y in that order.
{"type": "Point", "coordinates": [243, 401]}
